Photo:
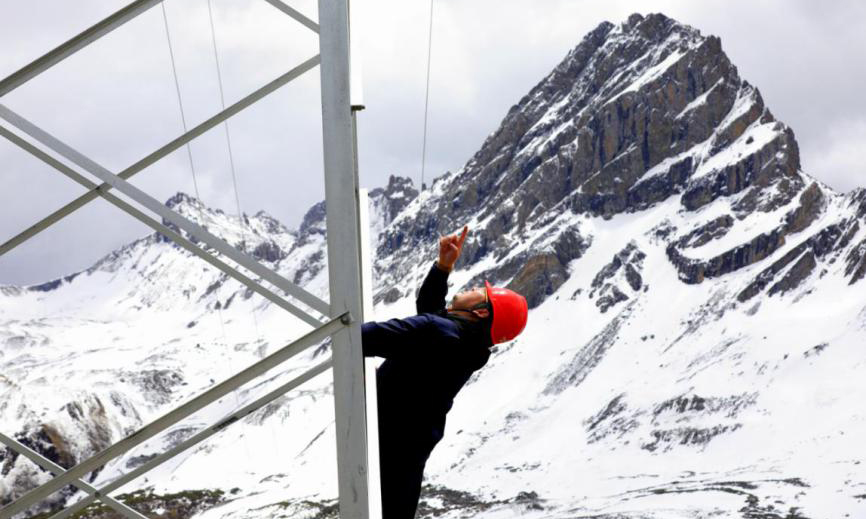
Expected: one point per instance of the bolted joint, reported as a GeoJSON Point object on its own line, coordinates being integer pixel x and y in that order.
{"type": "Point", "coordinates": [346, 319]}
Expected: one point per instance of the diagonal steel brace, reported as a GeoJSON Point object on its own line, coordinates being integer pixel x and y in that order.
{"type": "Point", "coordinates": [74, 44]}
{"type": "Point", "coordinates": [198, 437]}
{"type": "Point", "coordinates": [154, 205]}
{"type": "Point", "coordinates": [150, 159]}
{"type": "Point", "coordinates": [160, 228]}
{"type": "Point", "coordinates": [172, 417]}
{"type": "Point", "coordinates": [100, 29]}
{"type": "Point", "coordinates": [55, 469]}
{"type": "Point", "coordinates": [293, 13]}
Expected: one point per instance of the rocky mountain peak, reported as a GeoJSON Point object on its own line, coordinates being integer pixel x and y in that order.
{"type": "Point", "coordinates": [637, 114]}
{"type": "Point", "coordinates": [386, 202]}
{"type": "Point", "coordinates": [181, 199]}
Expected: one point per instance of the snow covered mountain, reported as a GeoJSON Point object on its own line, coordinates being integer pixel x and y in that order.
{"type": "Point", "coordinates": [693, 350]}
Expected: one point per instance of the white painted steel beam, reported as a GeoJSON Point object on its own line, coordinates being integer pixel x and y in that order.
{"type": "Point", "coordinates": [160, 228]}
{"type": "Point", "coordinates": [172, 417]}
{"type": "Point", "coordinates": [297, 15]}
{"type": "Point", "coordinates": [374, 479]}
{"type": "Point", "coordinates": [73, 45]}
{"type": "Point", "coordinates": [152, 158]}
{"type": "Point", "coordinates": [341, 203]}
{"type": "Point", "coordinates": [198, 437]}
{"type": "Point", "coordinates": [154, 205]}
{"type": "Point", "coordinates": [55, 469]}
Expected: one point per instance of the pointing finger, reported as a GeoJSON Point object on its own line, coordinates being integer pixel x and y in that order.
{"type": "Point", "coordinates": [463, 235]}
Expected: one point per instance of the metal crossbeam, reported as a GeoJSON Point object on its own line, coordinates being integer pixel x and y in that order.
{"type": "Point", "coordinates": [73, 45]}
{"type": "Point", "coordinates": [150, 159]}
{"type": "Point", "coordinates": [154, 205]}
{"type": "Point", "coordinates": [172, 417]}
{"type": "Point", "coordinates": [198, 437]}
{"type": "Point", "coordinates": [160, 228]}
{"type": "Point", "coordinates": [55, 469]}
{"type": "Point", "coordinates": [300, 18]}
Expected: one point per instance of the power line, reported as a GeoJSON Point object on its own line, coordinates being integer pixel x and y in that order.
{"type": "Point", "coordinates": [180, 105]}
{"type": "Point", "coordinates": [225, 123]}
{"type": "Point", "coordinates": [427, 95]}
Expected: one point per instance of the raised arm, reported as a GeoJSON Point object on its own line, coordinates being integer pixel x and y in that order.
{"type": "Point", "coordinates": [431, 296]}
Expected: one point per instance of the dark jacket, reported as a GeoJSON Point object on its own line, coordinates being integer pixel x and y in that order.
{"type": "Point", "coordinates": [428, 359]}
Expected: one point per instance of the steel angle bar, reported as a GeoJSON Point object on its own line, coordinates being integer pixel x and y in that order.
{"type": "Point", "coordinates": [160, 228]}
{"type": "Point", "coordinates": [150, 159]}
{"type": "Point", "coordinates": [198, 437]}
{"type": "Point", "coordinates": [73, 45]}
{"type": "Point", "coordinates": [176, 415]}
{"type": "Point", "coordinates": [341, 208]}
{"type": "Point", "coordinates": [154, 205]}
{"type": "Point", "coordinates": [300, 18]}
{"type": "Point", "coordinates": [370, 389]}
{"type": "Point", "coordinates": [55, 469]}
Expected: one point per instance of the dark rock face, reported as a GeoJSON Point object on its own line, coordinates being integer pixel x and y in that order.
{"type": "Point", "coordinates": [93, 434]}
{"type": "Point", "coordinates": [681, 408]}
{"type": "Point", "coordinates": [540, 276]}
{"type": "Point", "coordinates": [856, 267]}
{"type": "Point", "coordinates": [389, 296]}
{"type": "Point", "coordinates": [729, 406]}
{"type": "Point", "coordinates": [269, 251]}
{"type": "Point", "coordinates": [759, 171]}
{"type": "Point", "coordinates": [706, 233]}
{"type": "Point", "coordinates": [535, 275]}
{"type": "Point", "coordinates": [272, 225]}
{"type": "Point", "coordinates": [812, 202]}
{"type": "Point", "coordinates": [805, 254]}
{"type": "Point", "coordinates": [157, 384]}
{"type": "Point", "coordinates": [698, 436]}
{"type": "Point", "coordinates": [797, 273]}
{"type": "Point", "coordinates": [628, 263]}
{"type": "Point", "coordinates": [691, 271]}
{"type": "Point", "coordinates": [588, 356]}
{"type": "Point", "coordinates": [179, 199]}
{"type": "Point", "coordinates": [613, 420]}
{"type": "Point", "coordinates": [695, 271]}
{"type": "Point", "coordinates": [395, 196]}
{"type": "Point", "coordinates": [309, 270]}
{"type": "Point", "coordinates": [314, 220]}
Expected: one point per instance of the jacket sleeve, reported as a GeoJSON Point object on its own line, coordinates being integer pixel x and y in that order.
{"type": "Point", "coordinates": [431, 296]}
{"type": "Point", "coordinates": [395, 338]}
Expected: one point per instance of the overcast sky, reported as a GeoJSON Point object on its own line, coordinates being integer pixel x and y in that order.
{"type": "Point", "coordinates": [115, 100]}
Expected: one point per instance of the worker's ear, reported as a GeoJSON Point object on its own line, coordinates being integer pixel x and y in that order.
{"type": "Point", "coordinates": [481, 313]}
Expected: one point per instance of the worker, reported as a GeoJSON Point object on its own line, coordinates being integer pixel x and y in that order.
{"type": "Point", "coordinates": [428, 359]}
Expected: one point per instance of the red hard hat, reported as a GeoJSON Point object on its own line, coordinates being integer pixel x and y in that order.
{"type": "Point", "coordinates": [510, 312]}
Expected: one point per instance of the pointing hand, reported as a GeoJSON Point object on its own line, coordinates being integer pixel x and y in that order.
{"type": "Point", "coordinates": [450, 248]}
